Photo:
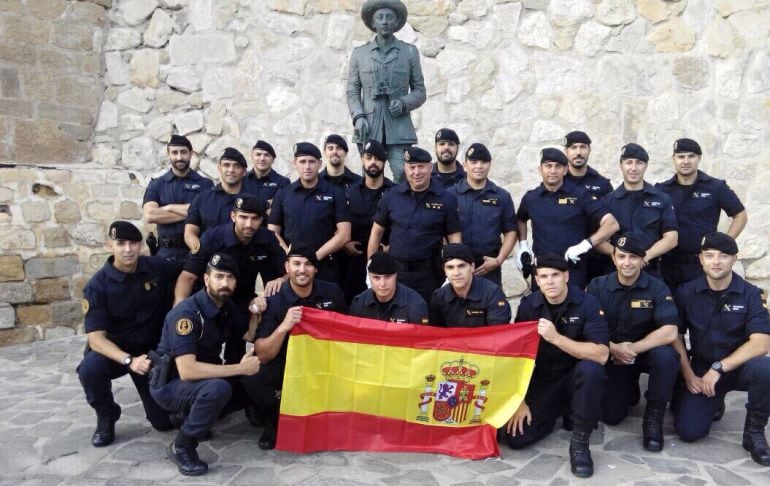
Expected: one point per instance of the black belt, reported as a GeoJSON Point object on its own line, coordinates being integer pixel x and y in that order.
{"type": "Point", "coordinates": [681, 257]}
{"type": "Point", "coordinates": [426, 264]}
{"type": "Point", "coordinates": [171, 242]}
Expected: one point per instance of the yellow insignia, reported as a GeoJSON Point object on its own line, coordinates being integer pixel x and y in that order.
{"type": "Point", "coordinates": [668, 297]}
{"type": "Point", "coordinates": [470, 151]}
{"type": "Point", "coordinates": [424, 320]}
{"type": "Point", "coordinates": [501, 303]}
{"type": "Point", "coordinates": [184, 326]}
{"type": "Point", "coordinates": [86, 306]}
{"type": "Point", "coordinates": [196, 248]}
{"type": "Point", "coordinates": [406, 155]}
{"type": "Point", "coordinates": [601, 312]}
{"type": "Point", "coordinates": [147, 286]}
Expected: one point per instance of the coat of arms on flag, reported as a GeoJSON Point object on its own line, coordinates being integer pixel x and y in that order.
{"type": "Point", "coordinates": [454, 396]}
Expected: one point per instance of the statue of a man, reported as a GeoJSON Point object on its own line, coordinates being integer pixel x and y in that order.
{"type": "Point", "coordinates": [385, 83]}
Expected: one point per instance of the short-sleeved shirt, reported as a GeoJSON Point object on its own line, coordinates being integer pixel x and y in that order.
{"type": "Point", "coordinates": [171, 189]}
{"type": "Point", "coordinates": [362, 204]}
{"type": "Point", "coordinates": [347, 179]}
{"type": "Point", "coordinates": [646, 213]}
{"type": "Point", "coordinates": [561, 218]}
{"type": "Point", "coordinates": [485, 305]}
{"type": "Point", "coordinates": [579, 318]}
{"type": "Point", "coordinates": [130, 307]}
{"type": "Point", "coordinates": [325, 296]}
{"type": "Point", "coordinates": [197, 326]}
{"type": "Point", "coordinates": [635, 311]}
{"type": "Point", "coordinates": [406, 306]}
{"type": "Point", "coordinates": [485, 214]}
{"type": "Point", "coordinates": [262, 255]}
{"type": "Point", "coordinates": [212, 208]}
{"type": "Point", "coordinates": [698, 208]}
{"type": "Point", "coordinates": [309, 215]}
{"type": "Point", "coordinates": [449, 179]}
{"type": "Point", "coordinates": [418, 222]}
{"type": "Point", "coordinates": [264, 187]}
{"type": "Point", "coordinates": [720, 322]}
{"type": "Point", "coordinates": [596, 184]}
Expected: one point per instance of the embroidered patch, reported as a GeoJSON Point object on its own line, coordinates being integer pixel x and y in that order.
{"type": "Point", "coordinates": [86, 306]}
{"type": "Point", "coordinates": [195, 248]}
{"type": "Point", "coordinates": [501, 303]}
{"type": "Point", "coordinates": [424, 320]}
{"type": "Point", "coordinates": [641, 304]}
{"type": "Point", "coordinates": [184, 326]}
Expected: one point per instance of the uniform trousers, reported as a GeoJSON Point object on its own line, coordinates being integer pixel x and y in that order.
{"type": "Point", "coordinates": [201, 401]}
{"type": "Point", "coordinates": [263, 391]}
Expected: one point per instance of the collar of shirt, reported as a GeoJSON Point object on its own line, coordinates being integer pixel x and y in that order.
{"type": "Point", "coordinates": [567, 187]}
{"type": "Point", "coordinates": [459, 171]}
{"type": "Point", "coordinates": [700, 177]}
{"type": "Point", "coordinates": [322, 185]}
{"type": "Point", "coordinates": [463, 187]}
{"type": "Point", "coordinates": [399, 298]}
{"type": "Point", "coordinates": [170, 176]}
{"type": "Point", "coordinates": [395, 44]}
{"type": "Point", "coordinates": [641, 283]}
{"type": "Point", "coordinates": [231, 239]}
{"type": "Point", "coordinates": [737, 285]}
{"type": "Point", "coordinates": [574, 296]}
{"type": "Point", "coordinates": [621, 191]}
{"type": "Point", "coordinates": [435, 187]}
{"type": "Point", "coordinates": [206, 305]}
{"type": "Point", "coordinates": [347, 175]}
{"type": "Point", "coordinates": [266, 178]}
{"type": "Point", "coordinates": [117, 275]}
{"type": "Point", "coordinates": [475, 293]}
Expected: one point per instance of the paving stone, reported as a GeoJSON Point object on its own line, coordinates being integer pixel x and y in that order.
{"type": "Point", "coordinates": [723, 476]}
{"type": "Point", "coordinates": [140, 451]}
{"type": "Point", "coordinates": [705, 448]}
{"type": "Point", "coordinates": [671, 466]}
{"type": "Point", "coordinates": [252, 475]}
{"type": "Point", "coordinates": [690, 481]}
{"type": "Point", "coordinates": [542, 466]}
{"type": "Point", "coordinates": [416, 477]}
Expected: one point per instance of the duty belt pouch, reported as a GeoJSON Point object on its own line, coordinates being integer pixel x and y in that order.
{"type": "Point", "coordinates": [161, 367]}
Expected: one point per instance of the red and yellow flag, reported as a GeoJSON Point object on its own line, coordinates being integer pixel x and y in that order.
{"type": "Point", "coordinates": [361, 384]}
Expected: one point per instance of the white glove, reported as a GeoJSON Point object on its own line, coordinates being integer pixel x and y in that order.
{"type": "Point", "coordinates": [523, 247]}
{"type": "Point", "coordinates": [368, 282]}
{"type": "Point", "coordinates": [573, 252]}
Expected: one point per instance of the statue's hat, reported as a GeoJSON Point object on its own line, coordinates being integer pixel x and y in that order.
{"type": "Point", "coordinates": [371, 6]}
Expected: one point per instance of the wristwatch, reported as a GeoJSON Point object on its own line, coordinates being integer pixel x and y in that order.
{"type": "Point", "coordinates": [127, 360]}
{"type": "Point", "coordinates": [717, 366]}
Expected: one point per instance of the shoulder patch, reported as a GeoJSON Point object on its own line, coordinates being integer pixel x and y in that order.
{"type": "Point", "coordinates": [184, 326]}
{"type": "Point", "coordinates": [196, 247]}
{"type": "Point", "coordinates": [86, 306]}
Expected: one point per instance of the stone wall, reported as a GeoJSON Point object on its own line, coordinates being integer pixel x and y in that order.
{"type": "Point", "coordinates": [516, 75]}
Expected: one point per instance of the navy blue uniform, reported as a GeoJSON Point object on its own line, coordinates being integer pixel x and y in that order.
{"type": "Point", "coordinates": [561, 219]}
{"type": "Point", "coordinates": [264, 187]}
{"type": "Point", "coordinates": [485, 215]}
{"type": "Point", "coordinates": [347, 179]}
{"type": "Point", "coordinates": [719, 323]}
{"type": "Point", "coordinates": [212, 208]}
{"type": "Point", "coordinates": [418, 223]}
{"type": "Point", "coordinates": [197, 326]}
{"type": "Point", "coordinates": [449, 179]}
{"type": "Point", "coordinates": [560, 382]}
{"type": "Point", "coordinates": [697, 208]}
{"type": "Point", "coordinates": [485, 305]}
{"type": "Point", "coordinates": [632, 313]}
{"type": "Point", "coordinates": [130, 308]}
{"type": "Point", "coordinates": [406, 306]}
{"type": "Point", "coordinates": [170, 189]}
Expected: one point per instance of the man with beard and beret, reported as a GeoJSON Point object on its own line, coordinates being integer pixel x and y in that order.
{"type": "Point", "coordinates": [448, 170]}
{"type": "Point", "coordinates": [466, 300]}
{"type": "Point", "coordinates": [212, 208]}
{"type": "Point", "coordinates": [388, 300]}
{"type": "Point", "coordinates": [284, 311]}
{"type": "Point", "coordinates": [124, 305]}
{"type": "Point", "coordinates": [569, 374]}
{"type": "Point", "coordinates": [698, 201]}
{"type": "Point", "coordinates": [729, 330]}
{"type": "Point", "coordinates": [313, 211]}
{"type": "Point", "coordinates": [385, 84]}
{"type": "Point", "coordinates": [262, 180]}
{"type": "Point", "coordinates": [197, 384]}
{"type": "Point", "coordinates": [643, 321]}
{"type": "Point", "coordinates": [363, 198]}
{"type": "Point", "coordinates": [419, 213]}
{"type": "Point", "coordinates": [168, 198]}
{"type": "Point", "coordinates": [335, 173]}
{"type": "Point", "coordinates": [486, 214]}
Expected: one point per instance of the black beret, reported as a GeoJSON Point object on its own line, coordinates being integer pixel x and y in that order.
{"type": "Point", "coordinates": [684, 145]}
{"type": "Point", "coordinates": [300, 249]}
{"type": "Point", "coordinates": [634, 151]}
{"type": "Point", "coordinates": [262, 145]}
{"type": "Point", "coordinates": [306, 148]}
{"type": "Point", "coordinates": [553, 155]}
{"type": "Point", "coordinates": [235, 155]}
{"type": "Point", "coordinates": [373, 147]}
{"type": "Point", "coordinates": [224, 263]}
{"type": "Point", "coordinates": [576, 137]}
{"type": "Point", "coordinates": [457, 250]}
{"type": "Point", "coordinates": [628, 243]}
{"type": "Point", "coordinates": [551, 260]}
{"type": "Point", "coordinates": [180, 140]}
{"type": "Point", "coordinates": [478, 151]}
{"type": "Point", "coordinates": [383, 263]}
{"type": "Point", "coordinates": [447, 134]}
{"type": "Point", "coordinates": [415, 154]}
{"type": "Point", "coordinates": [719, 241]}
{"type": "Point", "coordinates": [336, 140]}
{"type": "Point", "coordinates": [123, 230]}
{"type": "Point", "coordinates": [249, 205]}
{"type": "Point", "coordinates": [371, 6]}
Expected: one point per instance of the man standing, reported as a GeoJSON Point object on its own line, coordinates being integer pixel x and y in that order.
{"type": "Point", "coordinates": [284, 311]}
{"type": "Point", "coordinates": [124, 305]}
{"type": "Point", "coordinates": [197, 384]}
{"type": "Point", "coordinates": [569, 371]}
{"type": "Point", "coordinates": [419, 214]}
{"type": "Point", "coordinates": [388, 300]}
{"type": "Point", "coordinates": [562, 216]}
{"type": "Point", "coordinates": [168, 198]}
{"type": "Point", "coordinates": [486, 212]}
{"type": "Point", "coordinates": [385, 83]}
{"type": "Point", "coordinates": [729, 338]}
{"type": "Point", "coordinates": [312, 211]}
{"type": "Point", "coordinates": [447, 168]}
{"type": "Point", "coordinates": [335, 173]}
{"type": "Point", "coordinates": [643, 321]}
{"type": "Point", "coordinates": [698, 201]}
{"type": "Point", "coordinates": [467, 300]}
{"type": "Point", "coordinates": [262, 181]}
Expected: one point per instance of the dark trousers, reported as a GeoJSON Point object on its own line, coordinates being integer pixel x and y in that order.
{"type": "Point", "coordinates": [329, 269]}
{"type": "Point", "coordinates": [578, 392]}
{"type": "Point", "coordinates": [263, 391]}
{"type": "Point", "coordinates": [661, 363]}
{"type": "Point", "coordinates": [201, 401]}
{"type": "Point", "coordinates": [424, 280]}
{"type": "Point", "coordinates": [597, 265]}
{"type": "Point", "coordinates": [678, 271]}
{"type": "Point", "coordinates": [173, 253]}
{"type": "Point", "coordinates": [96, 373]}
{"type": "Point", "coordinates": [353, 275]}
{"type": "Point", "coordinates": [694, 413]}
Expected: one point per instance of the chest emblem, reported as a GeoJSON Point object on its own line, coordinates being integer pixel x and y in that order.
{"type": "Point", "coordinates": [492, 201]}
{"type": "Point", "coordinates": [652, 204]}
{"type": "Point", "coordinates": [641, 304]}
{"type": "Point", "coordinates": [701, 195]}
{"type": "Point", "coordinates": [434, 205]}
{"type": "Point", "coordinates": [733, 308]}
{"type": "Point", "coordinates": [567, 201]}
{"type": "Point", "coordinates": [324, 198]}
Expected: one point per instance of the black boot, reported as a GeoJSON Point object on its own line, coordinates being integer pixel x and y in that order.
{"type": "Point", "coordinates": [567, 423]}
{"type": "Point", "coordinates": [267, 439]}
{"type": "Point", "coordinates": [254, 415]}
{"type": "Point", "coordinates": [720, 411]}
{"type": "Point", "coordinates": [579, 454]}
{"type": "Point", "coordinates": [754, 439]}
{"type": "Point", "coordinates": [182, 452]}
{"type": "Point", "coordinates": [652, 426]}
{"type": "Point", "coordinates": [177, 419]}
{"type": "Point", "coordinates": [104, 434]}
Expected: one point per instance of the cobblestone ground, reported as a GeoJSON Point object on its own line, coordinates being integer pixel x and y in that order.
{"type": "Point", "coordinates": [46, 425]}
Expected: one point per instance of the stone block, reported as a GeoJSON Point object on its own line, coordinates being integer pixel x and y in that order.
{"type": "Point", "coordinates": [36, 85]}
{"type": "Point", "coordinates": [7, 195]}
{"type": "Point", "coordinates": [140, 154]}
{"type": "Point", "coordinates": [184, 78]}
{"type": "Point", "coordinates": [89, 234]}
{"type": "Point", "coordinates": [616, 12]}
{"type": "Point", "coordinates": [56, 237]}
{"type": "Point", "coordinates": [130, 210]}
{"type": "Point", "coordinates": [17, 108]}
{"type": "Point", "coordinates": [105, 155]}
{"type": "Point", "coordinates": [68, 314]}
{"type": "Point", "coordinates": [568, 13]}
{"type": "Point", "coordinates": [121, 38]}
{"type": "Point", "coordinates": [116, 68]}
{"type": "Point", "coordinates": [66, 114]}
{"type": "Point", "coordinates": [692, 72]}
{"type": "Point", "coordinates": [17, 238]}
{"type": "Point", "coordinates": [79, 91]}
{"type": "Point", "coordinates": [51, 289]}
{"type": "Point", "coordinates": [143, 68]}
{"type": "Point", "coordinates": [672, 36]}
{"type": "Point", "coordinates": [24, 29]}
{"type": "Point", "coordinates": [7, 317]}
{"type": "Point", "coordinates": [15, 293]}
{"type": "Point", "coordinates": [77, 36]}
{"type": "Point", "coordinates": [134, 12]}
{"type": "Point", "coordinates": [46, 9]}
{"type": "Point", "coordinates": [33, 315]}
{"type": "Point", "coordinates": [535, 30]}
{"type": "Point", "coordinates": [58, 332]}
{"type": "Point", "coordinates": [9, 83]}
{"type": "Point", "coordinates": [189, 122]}
{"type": "Point", "coordinates": [160, 29]}
{"type": "Point", "coordinates": [169, 100]}
{"type": "Point", "coordinates": [16, 52]}
{"type": "Point", "coordinates": [66, 212]}
{"type": "Point", "coordinates": [50, 267]}
{"type": "Point", "coordinates": [659, 10]}
{"type": "Point", "coordinates": [108, 116]}
{"type": "Point", "coordinates": [9, 337]}
{"type": "Point", "coordinates": [35, 211]}
{"type": "Point", "coordinates": [202, 49]}
{"type": "Point", "coordinates": [92, 12]}
{"type": "Point", "coordinates": [101, 210]}
{"type": "Point", "coordinates": [11, 268]}
{"type": "Point", "coordinates": [135, 99]}
{"type": "Point", "coordinates": [39, 141]}
{"type": "Point", "coordinates": [131, 122]}
{"type": "Point", "coordinates": [78, 284]}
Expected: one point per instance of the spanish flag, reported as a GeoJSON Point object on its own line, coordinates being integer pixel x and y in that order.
{"type": "Point", "coordinates": [361, 384]}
